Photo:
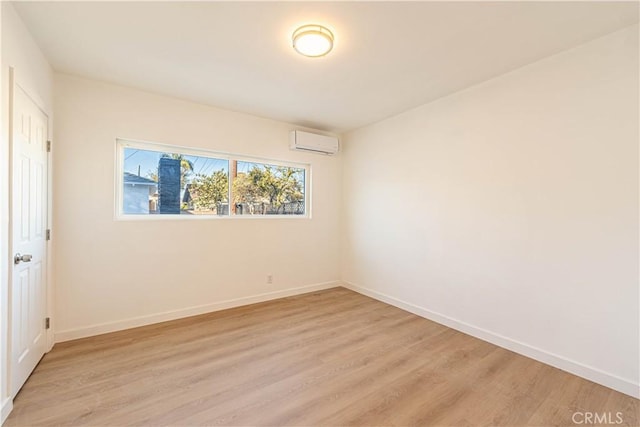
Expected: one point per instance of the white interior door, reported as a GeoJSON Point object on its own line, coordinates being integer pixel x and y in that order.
{"type": "Point", "coordinates": [29, 223]}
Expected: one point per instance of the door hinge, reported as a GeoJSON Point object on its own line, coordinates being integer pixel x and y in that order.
{"type": "Point", "coordinates": [48, 146]}
{"type": "Point", "coordinates": [48, 234]}
{"type": "Point", "coordinates": [47, 323]}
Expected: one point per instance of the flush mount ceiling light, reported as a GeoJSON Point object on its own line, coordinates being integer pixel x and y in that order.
{"type": "Point", "coordinates": [312, 40]}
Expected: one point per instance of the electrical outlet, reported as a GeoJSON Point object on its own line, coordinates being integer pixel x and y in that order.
{"type": "Point", "coordinates": [269, 279]}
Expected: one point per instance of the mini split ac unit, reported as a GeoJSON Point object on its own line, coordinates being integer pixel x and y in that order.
{"type": "Point", "coordinates": [305, 141]}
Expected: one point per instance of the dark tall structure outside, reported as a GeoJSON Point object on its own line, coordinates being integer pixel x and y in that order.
{"type": "Point", "coordinates": [169, 185]}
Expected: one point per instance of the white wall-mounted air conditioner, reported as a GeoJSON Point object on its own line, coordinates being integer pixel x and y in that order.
{"type": "Point", "coordinates": [305, 141]}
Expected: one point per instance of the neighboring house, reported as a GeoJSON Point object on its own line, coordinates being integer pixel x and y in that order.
{"type": "Point", "coordinates": [139, 194]}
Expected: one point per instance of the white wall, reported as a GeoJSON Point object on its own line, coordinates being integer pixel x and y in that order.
{"type": "Point", "coordinates": [114, 274]}
{"type": "Point", "coordinates": [510, 210]}
{"type": "Point", "coordinates": [34, 74]}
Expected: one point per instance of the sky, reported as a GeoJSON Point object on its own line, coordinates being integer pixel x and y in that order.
{"type": "Point", "coordinates": [147, 162]}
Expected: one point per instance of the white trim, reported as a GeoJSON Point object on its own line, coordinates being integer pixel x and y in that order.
{"type": "Point", "coordinates": [590, 373]}
{"type": "Point", "coordinates": [7, 407]}
{"type": "Point", "coordinates": [102, 328]}
{"type": "Point", "coordinates": [50, 255]}
{"type": "Point", "coordinates": [196, 217]}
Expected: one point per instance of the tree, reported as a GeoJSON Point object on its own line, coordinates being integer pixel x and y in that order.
{"type": "Point", "coordinates": [272, 185]}
{"type": "Point", "coordinates": [246, 190]}
{"type": "Point", "coordinates": [209, 190]}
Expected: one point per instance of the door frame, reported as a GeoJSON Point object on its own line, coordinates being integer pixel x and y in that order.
{"type": "Point", "coordinates": [14, 83]}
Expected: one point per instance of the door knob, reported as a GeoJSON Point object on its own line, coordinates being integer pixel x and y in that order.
{"type": "Point", "coordinates": [22, 258]}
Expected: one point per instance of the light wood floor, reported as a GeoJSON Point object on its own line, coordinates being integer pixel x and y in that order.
{"type": "Point", "coordinates": [327, 358]}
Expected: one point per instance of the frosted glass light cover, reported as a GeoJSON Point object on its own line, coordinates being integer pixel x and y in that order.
{"type": "Point", "coordinates": [313, 40]}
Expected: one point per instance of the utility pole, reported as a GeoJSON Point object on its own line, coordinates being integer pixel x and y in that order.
{"type": "Point", "coordinates": [233, 174]}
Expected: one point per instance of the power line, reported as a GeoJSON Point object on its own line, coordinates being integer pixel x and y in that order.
{"type": "Point", "coordinates": [127, 158]}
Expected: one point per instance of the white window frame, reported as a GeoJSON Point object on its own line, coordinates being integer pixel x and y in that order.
{"type": "Point", "coordinates": [122, 143]}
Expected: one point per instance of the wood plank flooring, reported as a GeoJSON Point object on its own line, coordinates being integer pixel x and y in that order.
{"type": "Point", "coordinates": [322, 359]}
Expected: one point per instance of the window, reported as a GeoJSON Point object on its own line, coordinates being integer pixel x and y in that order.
{"type": "Point", "coordinates": [264, 189]}
{"type": "Point", "coordinates": [157, 180]}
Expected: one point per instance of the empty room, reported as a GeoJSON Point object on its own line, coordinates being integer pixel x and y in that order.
{"type": "Point", "coordinates": [420, 213]}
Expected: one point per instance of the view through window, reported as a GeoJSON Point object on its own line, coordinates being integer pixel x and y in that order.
{"type": "Point", "coordinates": [171, 181]}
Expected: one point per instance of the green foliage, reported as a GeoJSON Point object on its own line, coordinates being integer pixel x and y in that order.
{"type": "Point", "coordinates": [275, 185]}
{"type": "Point", "coordinates": [209, 190]}
{"type": "Point", "coordinates": [246, 190]}
{"type": "Point", "coordinates": [272, 185]}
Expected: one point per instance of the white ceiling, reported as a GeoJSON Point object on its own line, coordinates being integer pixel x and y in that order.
{"type": "Point", "coordinates": [388, 56]}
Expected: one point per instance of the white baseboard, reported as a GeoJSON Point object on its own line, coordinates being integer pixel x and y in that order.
{"type": "Point", "coordinates": [103, 328]}
{"type": "Point", "coordinates": [7, 407]}
{"type": "Point", "coordinates": [590, 373]}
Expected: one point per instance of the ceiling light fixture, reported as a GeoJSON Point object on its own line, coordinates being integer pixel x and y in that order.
{"type": "Point", "coordinates": [312, 40]}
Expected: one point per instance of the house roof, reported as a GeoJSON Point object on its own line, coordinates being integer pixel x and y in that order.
{"type": "Point", "coordinates": [130, 178]}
